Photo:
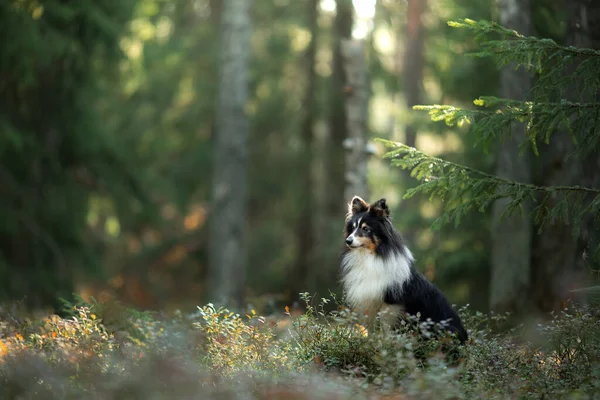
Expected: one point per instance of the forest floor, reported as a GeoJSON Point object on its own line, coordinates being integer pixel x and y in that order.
{"type": "Point", "coordinates": [107, 351]}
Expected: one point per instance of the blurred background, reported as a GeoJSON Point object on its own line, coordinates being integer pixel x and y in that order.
{"type": "Point", "coordinates": [171, 153]}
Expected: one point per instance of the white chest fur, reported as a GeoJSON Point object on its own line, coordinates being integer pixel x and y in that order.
{"type": "Point", "coordinates": [366, 277]}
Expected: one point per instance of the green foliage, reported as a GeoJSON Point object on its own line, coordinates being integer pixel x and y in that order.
{"type": "Point", "coordinates": [557, 361]}
{"type": "Point", "coordinates": [543, 119]}
{"type": "Point", "coordinates": [115, 317]}
{"type": "Point", "coordinates": [460, 78]}
{"type": "Point", "coordinates": [459, 258]}
{"type": "Point", "coordinates": [340, 341]}
{"type": "Point", "coordinates": [54, 149]}
{"type": "Point", "coordinates": [162, 112]}
{"type": "Point", "coordinates": [544, 57]}
{"type": "Point", "coordinates": [237, 346]}
{"type": "Point", "coordinates": [557, 70]}
{"type": "Point", "coordinates": [215, 352]}
{"type": "Point", "coordinates": [464, 189]}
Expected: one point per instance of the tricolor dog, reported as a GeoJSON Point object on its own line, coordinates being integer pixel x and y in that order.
{"type": "Point", "coordinates": [378, 269]}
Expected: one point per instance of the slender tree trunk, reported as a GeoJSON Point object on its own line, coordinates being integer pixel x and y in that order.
{"type": "Point", "coordinates": [511, 235]}
{"type": "Point", "coordinates": [410, 63]}
{"type": "Point", "coordinates": [216, 7]}
{"type": "Point", "coordinates": [334, 203]}
{"type": "Point", "coordinates": [229, 180]}
{"type": "Point", "coordinates": [357, 111]}
{"type": "Point", "coordinates": [338, 129]}
{"type": "Point", "coordinates": [413, 62]}
{"type": "Point", "coordinates": [559, 259]}
{"type": "Point", "coordinates": [587, 35]}
{"type": "Point", "coordinates": [303, 275]}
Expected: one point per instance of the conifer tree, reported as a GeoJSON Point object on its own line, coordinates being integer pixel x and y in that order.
{"type": "Point", "coordinates": [56, 152]}
{"type": "Point", "coordinates": [552, 111]}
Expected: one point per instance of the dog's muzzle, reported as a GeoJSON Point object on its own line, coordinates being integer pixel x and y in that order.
{"type": "Point", "coordinates": [352, 242]}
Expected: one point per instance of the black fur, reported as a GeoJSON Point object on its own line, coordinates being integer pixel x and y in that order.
{"type": "Point", "coordinates": [382, 229]}
{"type": "Point", "coordinates": [416, 295]}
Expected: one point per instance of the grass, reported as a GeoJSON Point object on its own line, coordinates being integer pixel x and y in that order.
{"type": "Point", "coordinates": [106, 351]}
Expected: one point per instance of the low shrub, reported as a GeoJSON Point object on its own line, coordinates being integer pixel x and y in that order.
{"type": "Point", "coordinates": [215, 353]}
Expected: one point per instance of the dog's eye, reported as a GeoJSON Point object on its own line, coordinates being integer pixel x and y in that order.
{"type": "Point", "coordinates": [367, 229]}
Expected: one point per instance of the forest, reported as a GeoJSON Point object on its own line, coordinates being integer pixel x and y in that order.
{"type": "Point", "coordinates": [175, 178]}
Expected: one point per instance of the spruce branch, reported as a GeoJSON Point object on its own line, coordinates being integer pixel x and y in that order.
{"type": "Point", "coordinates": [494, 117]}
{"type": "Point", "coordinates": [412, 157]}
{"type": "Point", "coordinates": [463, 189]}
{"type": "Point", "coordinates": [562, 72]}
{"type": "Point", "coordinates": [557, 67]}
{"type": "Point", "coordinates": [511, 39]}
{"type": "Point", "coordinates": [565, 101]}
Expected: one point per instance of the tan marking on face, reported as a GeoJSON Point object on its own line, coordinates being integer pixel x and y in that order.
{"type": "Point", "coordinates": [372, 246]}
{"type": "Point", "coordinates": [367, 243]}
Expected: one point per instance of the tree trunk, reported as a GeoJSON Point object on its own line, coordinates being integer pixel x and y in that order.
{"type": "Point", "coordinates": [511, 235]}
{"type": "Point", "coordinates": [338, 129]}
{"type": "Point", "coordinates": [303, 275]}
{"type": "Point", "coordinates": [357, 111]}
{"type": "Point", "coordinates": [334, 201]}
{"type": "Point", "coordinates": [559, 259]}
{"type": "Point", "coordinates": [410, 63]}
{"type": "Point", "coordinates": [216, 7]}
{"type": "Point", "coordinates": [413, 62]}
{"type": "Point", "coordinates": [585, 32]}
{"type": "Point", "coordinates": [229, 180]}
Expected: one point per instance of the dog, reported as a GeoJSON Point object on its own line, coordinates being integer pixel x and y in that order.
{"type": "Point", "coordinates": [378, 270]}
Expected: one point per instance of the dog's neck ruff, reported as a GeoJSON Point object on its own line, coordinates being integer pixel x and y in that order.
{"type": "Point", "coordinates": [366, 276]}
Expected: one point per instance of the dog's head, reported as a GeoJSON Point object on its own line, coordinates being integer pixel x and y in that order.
{"type": "Point", "coordinates": [366, 224]}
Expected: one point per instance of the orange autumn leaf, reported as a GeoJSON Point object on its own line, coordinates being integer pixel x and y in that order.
{"type": "Point", "coordinates": [363, 331]}
{"type": "Point", "coordinates": [287, 309]}
{"type": "Point", "coordinates": [54, 334]}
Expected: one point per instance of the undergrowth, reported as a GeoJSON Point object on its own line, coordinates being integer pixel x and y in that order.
{"type": "Point", "coordinates": [104, 351]}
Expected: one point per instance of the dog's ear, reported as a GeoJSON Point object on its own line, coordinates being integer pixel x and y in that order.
{"type": "Point", "coordinates": [380, 208]}
{"type": "Point", "coordinates": [357, 205]}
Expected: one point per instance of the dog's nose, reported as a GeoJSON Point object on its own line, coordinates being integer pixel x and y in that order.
{"type": "Point", "coordinates": [349, 240]}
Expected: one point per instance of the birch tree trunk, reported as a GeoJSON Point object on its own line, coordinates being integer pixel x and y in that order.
{"type": "Point", "coordinates": [511, 236]}
{"type": "Point", "coordinates": [229, 169]}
